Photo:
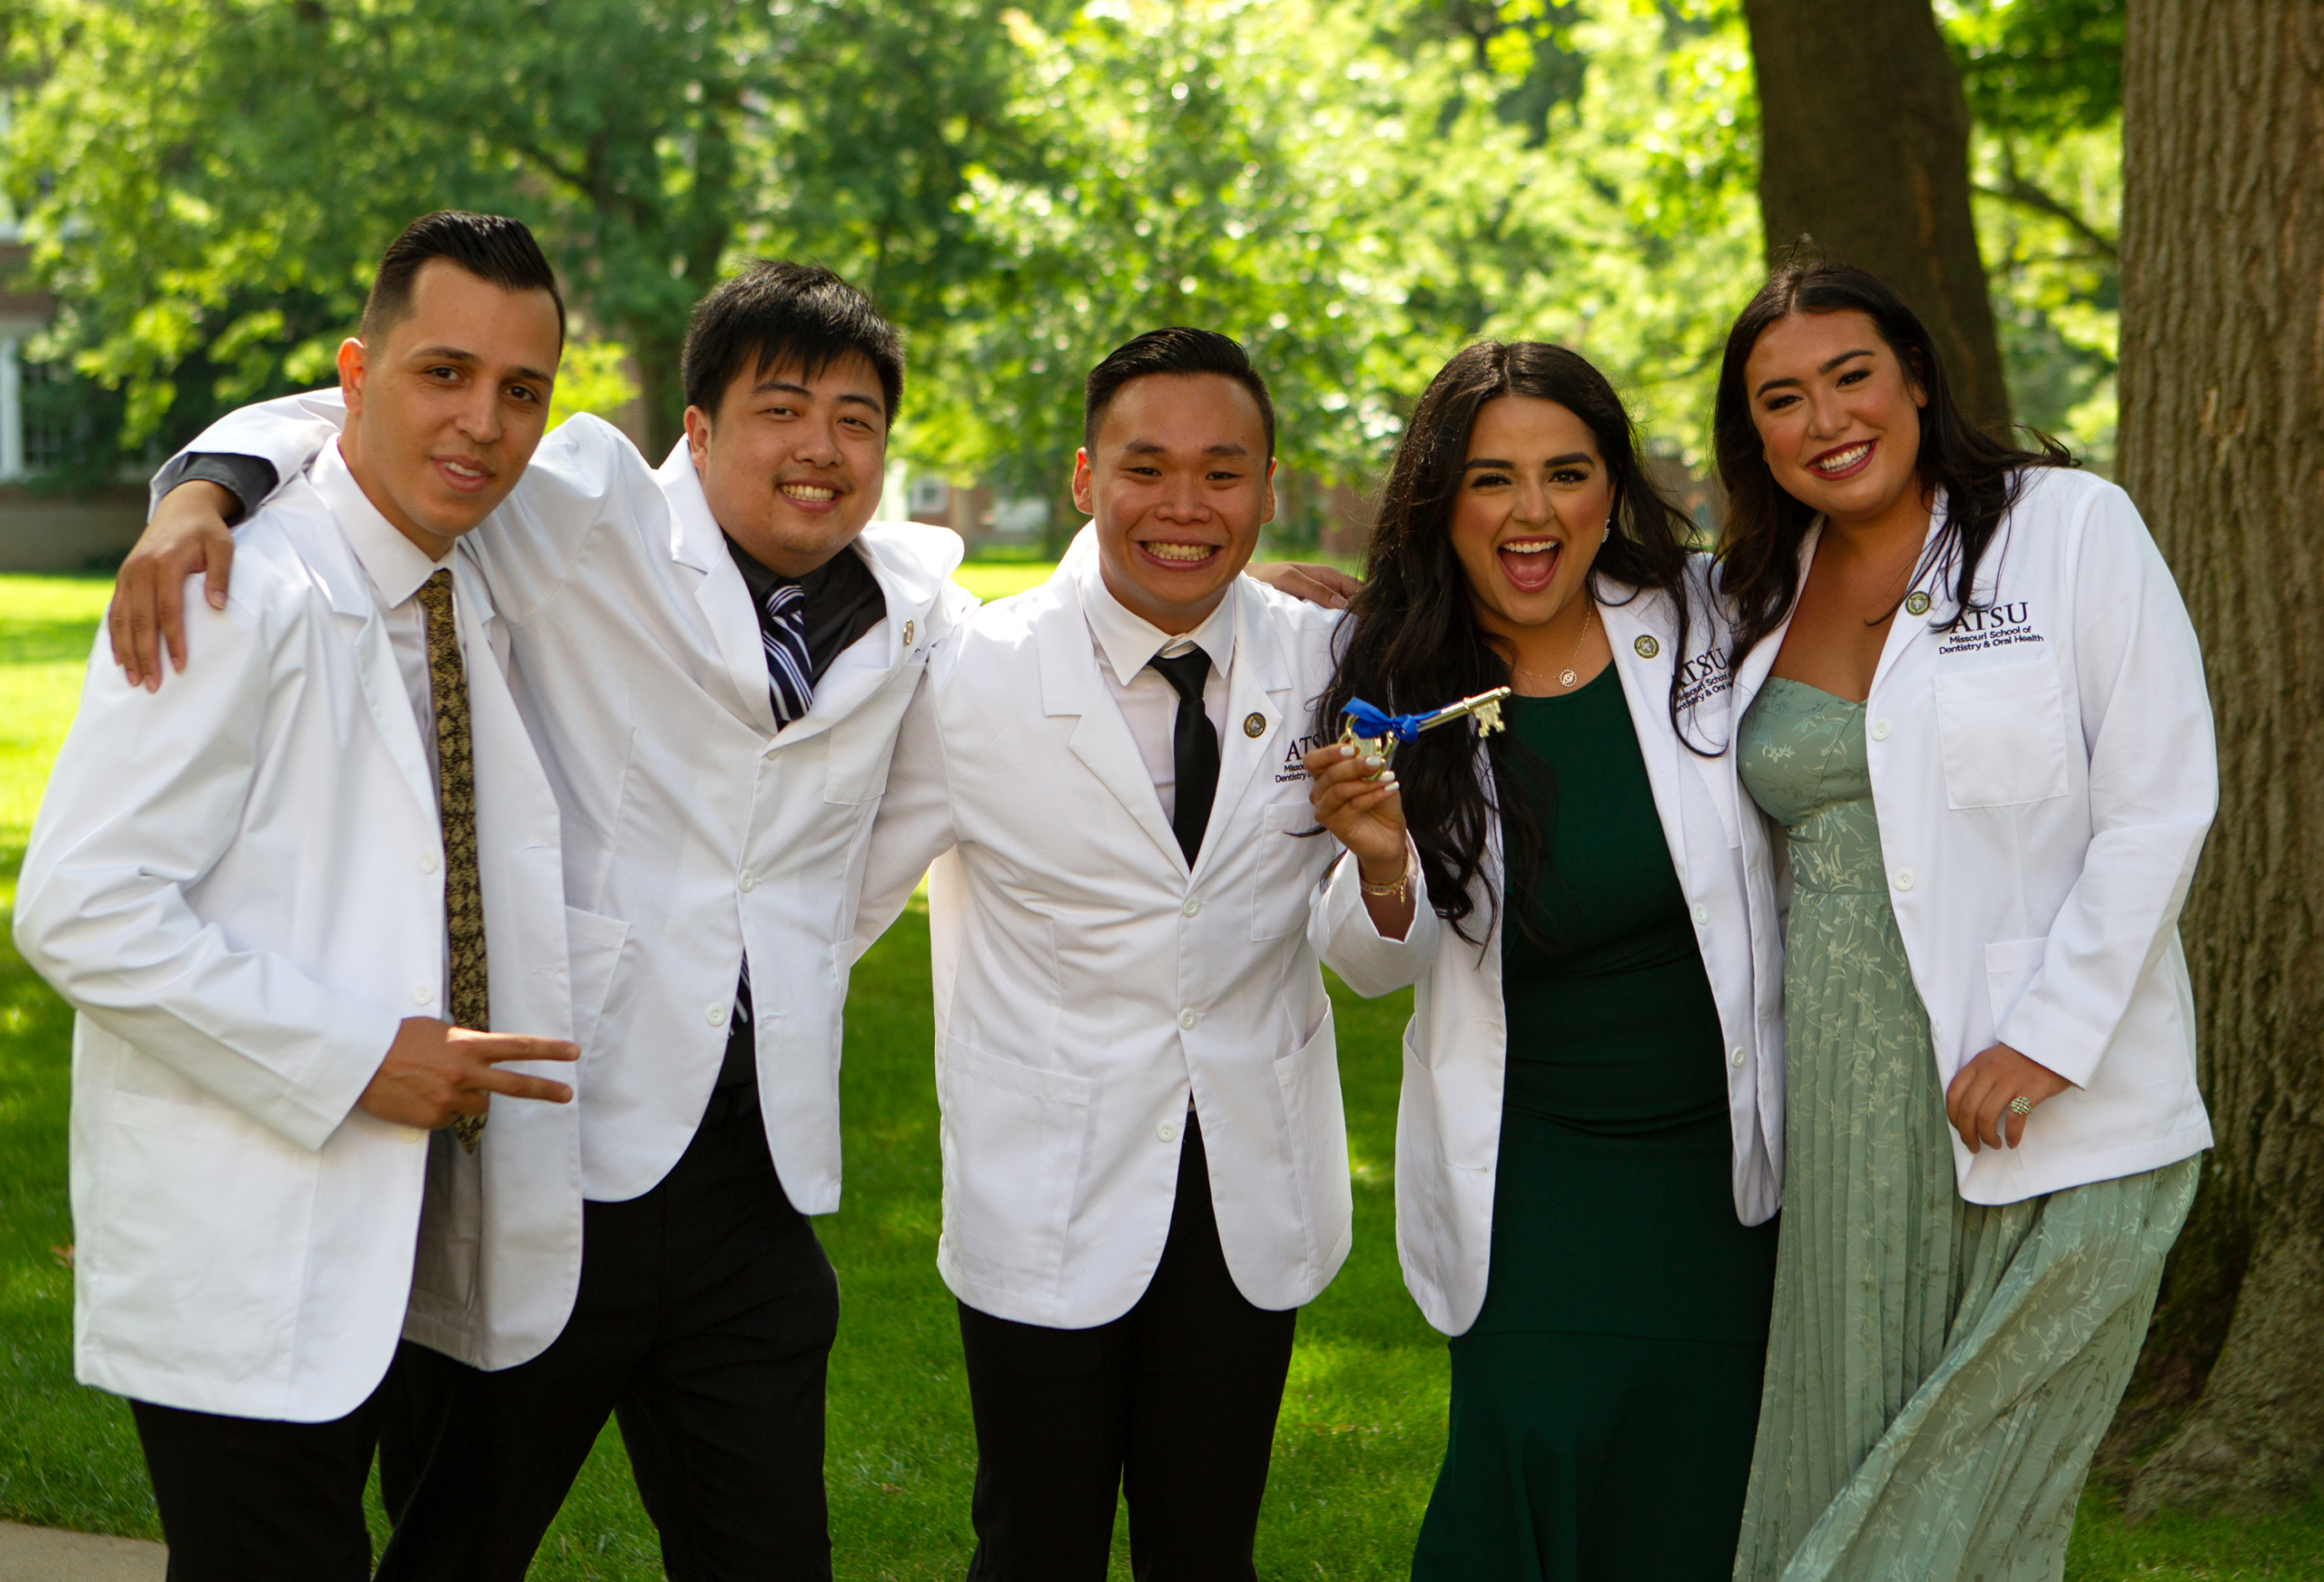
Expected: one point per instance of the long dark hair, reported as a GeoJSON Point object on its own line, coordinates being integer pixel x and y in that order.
{"type": "Point", "coordinates": [1412, 642]}
{"type": "Point", "coordinates": [1981, 476]}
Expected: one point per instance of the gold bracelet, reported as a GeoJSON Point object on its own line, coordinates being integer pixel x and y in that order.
{"type": "Point", "coordinates": [1401, 889]}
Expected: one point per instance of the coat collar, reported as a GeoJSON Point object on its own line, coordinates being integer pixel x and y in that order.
{"type": "Point", "coordinates": [911, 565]}
{"type": "Point", "coordinates": [1258, 683]}
{"type": "Point", "coordinates": [1752, 669]}
{"type": "Point", "coordinates": [1643, 630]}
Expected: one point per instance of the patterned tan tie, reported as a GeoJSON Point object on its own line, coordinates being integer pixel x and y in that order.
{"type": "Point", "coordinates": [456, 802]}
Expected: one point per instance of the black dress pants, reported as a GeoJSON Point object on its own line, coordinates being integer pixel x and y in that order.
{"type": "Point", "coordinates": [703, 1321]}
{"type": "Point", "coordinates": [1173, 1404]}
{"type": "Point", "coordinates": [253, 1499]}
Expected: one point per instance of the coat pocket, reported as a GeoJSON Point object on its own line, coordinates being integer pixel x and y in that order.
{"type": "Point", "coordinates": [592, 944]}
{"type": "Point", "coordinates": [858, 749]}
{"type": "Point", "coordinates": [2010, 966]}
{"type": "Point", "coordinates": [1309, 1078]}
{"type": "Point", "coordinates": [1288, 865]}
{"type": "Point", "coordinates": [1013, 1140]}
{"type": "Point", "coordinates": [2003, 732]}
{"type": "Point", "coordinates": [199, 1260]}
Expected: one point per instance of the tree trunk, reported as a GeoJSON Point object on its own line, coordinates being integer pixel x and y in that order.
{"type": "Point", "coordinates": [661, 396]}
{"type": "Point", "coordinates": [2223, 447]}
{"type": "Point", "coordinates": [1865, 146]}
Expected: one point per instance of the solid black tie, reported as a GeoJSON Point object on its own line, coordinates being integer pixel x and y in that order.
{"type": "Point", "coordinates": [1194, 748]}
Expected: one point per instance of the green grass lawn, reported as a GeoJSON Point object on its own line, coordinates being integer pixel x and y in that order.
{"type": "Point", "coordinates": [1363, 1423]}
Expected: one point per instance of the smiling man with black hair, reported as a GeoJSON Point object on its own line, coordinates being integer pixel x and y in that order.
{"type": "Point", "coordinates": [713, 658]}
{"type": "Point", "coordinates": [1146, 1169]}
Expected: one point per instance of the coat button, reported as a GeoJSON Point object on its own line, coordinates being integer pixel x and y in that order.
{"type": "Point", "coordinates": [421, 994]}
{"type": "Point", "coordinates": [1193, 906]}
{"type": "Point", "coordinates": [428, 864]}
{"type": "Point", "coordinates": [1880, 730]}
{"type": "Point", "coordinates": [1702, 914]}
{"type": "Point", "coordinates": [1187, 1019]}
{"type": "Point", "coordinates": [1904, 878]}
{"type": "Point", "coordinates": [746, 882]}
{"type": "Point", "coordinates": [715, 1015]}
{"type": "Point", "coordinates": [1167, 1132]}
{"type": "Point", "coordinates": [1735, 1058]}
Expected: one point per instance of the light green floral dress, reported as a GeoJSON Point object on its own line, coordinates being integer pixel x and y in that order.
{"type": "Point", "coordinates": [1939, 1372]}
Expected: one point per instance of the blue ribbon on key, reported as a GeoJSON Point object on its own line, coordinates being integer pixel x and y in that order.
{"type": "Point", "coordinates": [1379, 726]}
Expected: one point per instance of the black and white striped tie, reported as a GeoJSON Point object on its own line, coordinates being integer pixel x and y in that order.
{"type": "Point", "coordinates": [788, 673]}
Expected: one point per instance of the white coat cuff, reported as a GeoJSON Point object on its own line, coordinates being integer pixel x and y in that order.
{"type": "Point", "coordinates": [1341, 930]}
{"type": "Point", "coordinates": [2066, 1047]}
{"type": "Point", "coordinates": [311, 1112]}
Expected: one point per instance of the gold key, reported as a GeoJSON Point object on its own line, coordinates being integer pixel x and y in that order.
{"type": "Point", "coordinates": [1484, 708]}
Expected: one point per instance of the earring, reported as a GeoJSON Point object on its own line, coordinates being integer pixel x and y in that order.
{"type": "Point", "coordinates": [1608, 533]}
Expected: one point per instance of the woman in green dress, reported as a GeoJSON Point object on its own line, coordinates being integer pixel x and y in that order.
{"type": "Point", "coordinates": [1586, 1155]}
{"type": "Point", "coordinates": [1968, 694]}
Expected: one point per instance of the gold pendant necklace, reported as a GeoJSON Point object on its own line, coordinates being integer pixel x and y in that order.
{"type": "Point", "coordinates": [1566, 676]}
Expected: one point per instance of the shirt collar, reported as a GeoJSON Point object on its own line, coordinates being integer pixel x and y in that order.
{"type": "Point", "coordinates": [394, 564]}
{"type": "Point", "coordinates": [1127, 641]}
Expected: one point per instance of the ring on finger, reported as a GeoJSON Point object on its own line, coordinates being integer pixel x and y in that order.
{"type": "Point", "coordinates": [2021, 1106]}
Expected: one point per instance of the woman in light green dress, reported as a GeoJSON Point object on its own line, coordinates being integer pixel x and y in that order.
{"type": "Point", "coordinates": [1932, 630]}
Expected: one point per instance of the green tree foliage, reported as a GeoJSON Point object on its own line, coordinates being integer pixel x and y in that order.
{"type": "Point", "coordinates": [1356, 191]}
{"type": "Point", "coordinates": [2044, 84]}
{"type": "Point", "coordinates": [1354, 187]}
{"type": "Point", "coordinates": [209, 181]}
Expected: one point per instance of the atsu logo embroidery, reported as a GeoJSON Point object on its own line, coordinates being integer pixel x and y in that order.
{"type": "Point", "coordinates": [1996, 625]}
{"type": "Point", "coordinates": [1703, 677]}
{"type": "Point", "coordinates": [1293, 767]}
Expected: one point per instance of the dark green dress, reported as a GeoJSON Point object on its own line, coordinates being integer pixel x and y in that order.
{"type": "Point", "coordinates": [1603, 1403]}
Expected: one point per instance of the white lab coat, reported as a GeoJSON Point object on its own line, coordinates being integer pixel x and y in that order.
{"type": "Point", "coordinates": [2045, 778]}
{"type": "Point", "coordinates": [688, 818]}
{"type": "Point", "coordinates": [1088, 984]}
{"type": "Point", "coordinates": [239, 884]}
{"type": "Point", "coordinates": [1448, 1121]}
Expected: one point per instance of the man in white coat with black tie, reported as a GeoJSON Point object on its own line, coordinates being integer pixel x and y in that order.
{"type": "Point", "coordinates": [276, 899]}
{"type": "Point", "coordinates": [1146, 1165]}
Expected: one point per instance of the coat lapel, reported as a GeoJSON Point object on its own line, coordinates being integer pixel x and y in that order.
{"type": "Point", "coordinates": [696, 543]}
{"type": "Point", "coordinates": [909, 586]}
{"type": "Point", "coordinates": [1070, 685]}
{"type": "Point", "coordinates": [1904, 626]}
{"type": "Point", "coordinates": [1258, 683]}
{"type": "Point", "coordinates": [1752, 669]}
{"type": "Point", "coordinates": [324, 547]}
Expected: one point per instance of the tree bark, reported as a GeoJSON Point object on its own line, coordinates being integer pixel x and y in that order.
{"type": "Point", "coordinates": [1865, 146]}
{"type": "Point", "coordinates": [2223, 447]}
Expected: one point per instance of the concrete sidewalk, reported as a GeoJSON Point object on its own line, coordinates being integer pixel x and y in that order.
{"type": "Point", "coordinates": [39, 1554]}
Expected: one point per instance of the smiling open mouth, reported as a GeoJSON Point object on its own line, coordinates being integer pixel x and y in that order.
{"type": "Point", "coordinates": [1841, 463]}
{"type": "Point", "coordinates": [1530, 564]}
{"type": "Point", "coordinates": [1180, 554]}
{"type": "Point", "coordinates": [809, 492]}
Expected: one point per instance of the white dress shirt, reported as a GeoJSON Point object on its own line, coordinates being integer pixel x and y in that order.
{"type": "Point", "coordinates": [1149, 703]}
